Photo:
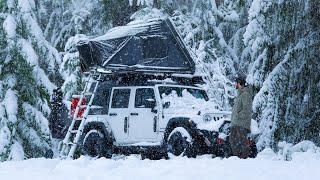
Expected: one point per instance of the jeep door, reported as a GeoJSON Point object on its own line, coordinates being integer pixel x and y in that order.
{"type": "Point", "coordinates": [119, 113]}
{"type": "Point", "coordinates": [143, 116]}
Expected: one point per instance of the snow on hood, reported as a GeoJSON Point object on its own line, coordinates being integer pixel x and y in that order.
{"type": "Point", "coordinates": [212, 125]}
{"type": "Point", "coordinates": [188, 105]}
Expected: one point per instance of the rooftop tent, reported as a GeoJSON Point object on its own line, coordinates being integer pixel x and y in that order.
{"type": "Point", "coordinates": [153, 46]}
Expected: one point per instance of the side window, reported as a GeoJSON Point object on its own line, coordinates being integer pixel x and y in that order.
{"type": "Point", "coordinates": [154, 47]}
{"type": "Point", "coordinates": [120, 98]}
{"type": "Point", "coordinates": [144, 98]}
{"type": "Point", "coordinates": [101, 101]}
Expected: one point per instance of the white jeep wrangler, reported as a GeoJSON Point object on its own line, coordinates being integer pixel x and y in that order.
{"type": "Point", "coordinates": [155, 118]}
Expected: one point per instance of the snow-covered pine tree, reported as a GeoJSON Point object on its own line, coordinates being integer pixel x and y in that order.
{"type": "Point", "coordinates": [257, 42]}
{"type": "Point", "coordinates": [118, 12]}
{"type": "Point", "coordinates": [26, 61]}
{"type": "Point", "coordinates": [61, 20]}
{"type": "Point", "coordinates": [85, 17]}
{"type": "Point", "coordinates": [70, 68]}
{"type": "Point", "coordinates": [283, 38]}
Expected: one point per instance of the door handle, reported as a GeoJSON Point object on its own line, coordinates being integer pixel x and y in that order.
{"type": "Point", "coordinates": [125, 124]}
{"type": "Point", "coordinates": [113, 114]}
{"type": "Point", "coordinates": [155, 124]}
{"type": "Point", "coordinates": [134, 114]}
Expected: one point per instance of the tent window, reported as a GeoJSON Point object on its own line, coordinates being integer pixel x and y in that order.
{"type": "Point", "coordinates": [154, 47]}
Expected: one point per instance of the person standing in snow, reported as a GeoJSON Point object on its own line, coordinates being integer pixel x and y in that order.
{"type": "Point", "coordinates": [241, 118]}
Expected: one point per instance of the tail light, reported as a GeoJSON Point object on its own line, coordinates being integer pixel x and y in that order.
{"type": "Point", "coordinates": [220, 141]}
{"type": "Point", "coordinates": [74, 102]}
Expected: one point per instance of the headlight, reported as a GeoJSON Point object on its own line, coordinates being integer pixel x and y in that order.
{"type": "Point", "coordinates": [207, 118]}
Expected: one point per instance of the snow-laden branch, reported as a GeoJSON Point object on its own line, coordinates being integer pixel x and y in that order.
{"type": "Point", "coordinates": [227, 15]}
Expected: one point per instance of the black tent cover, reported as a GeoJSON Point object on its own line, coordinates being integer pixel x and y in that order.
{"type": "Point", "coordinates": [121, 50]}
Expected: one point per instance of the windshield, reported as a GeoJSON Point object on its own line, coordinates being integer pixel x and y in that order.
{"type": "Point", "coordinates": [182, 92]}
{"type": "Point", "coordinates": [182, 97]}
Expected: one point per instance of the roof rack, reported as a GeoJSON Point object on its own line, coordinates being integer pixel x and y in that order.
{"type": "Point", "coordinates": [134, 76]}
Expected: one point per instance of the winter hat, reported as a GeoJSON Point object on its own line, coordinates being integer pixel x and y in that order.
{"type": "Point", "coordinates": [241, 79]}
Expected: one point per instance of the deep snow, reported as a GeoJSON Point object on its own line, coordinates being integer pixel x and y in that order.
{"type": "Point", "coordinates": [266, 166]}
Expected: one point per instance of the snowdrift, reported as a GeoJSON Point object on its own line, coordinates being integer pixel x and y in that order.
{"type": "Point", "coordinates": [265, 167]}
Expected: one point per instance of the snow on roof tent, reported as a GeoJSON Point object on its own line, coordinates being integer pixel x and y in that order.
{"type": "Point", "coordinates": [150, 47]}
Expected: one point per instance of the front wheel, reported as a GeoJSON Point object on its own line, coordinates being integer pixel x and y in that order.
{"type": "Point", "coordinates": [179, 143]}
{"type": "Point", "coordinates": [96, 145]}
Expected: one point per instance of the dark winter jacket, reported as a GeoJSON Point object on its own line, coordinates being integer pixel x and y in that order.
{"type": "Point", "coordinates": [242, 108]}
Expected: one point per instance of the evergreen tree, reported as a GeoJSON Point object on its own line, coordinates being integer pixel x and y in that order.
{"type": "Point", "coordinates": [70, 69]}
{"type": "Point", "coordinates": [283, 38]}
{"type": "Point", "coordinates": [61, 20]}
{"type": "Point", "coordinates": [118, 12]}
{"type": "Point", "coordinates": [27, 60]}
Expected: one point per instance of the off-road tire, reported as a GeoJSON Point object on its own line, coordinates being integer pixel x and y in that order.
{"type": "Point", "coordinates": [180, 142]}
{"type": "Point", "coordinates": [96, 144]}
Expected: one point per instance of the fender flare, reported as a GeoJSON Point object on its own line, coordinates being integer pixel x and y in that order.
{"type": "Point", "coordinates": [98, 125]}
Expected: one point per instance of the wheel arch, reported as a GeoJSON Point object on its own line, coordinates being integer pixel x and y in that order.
{"type": "Point", "coordinates": [103, 127]}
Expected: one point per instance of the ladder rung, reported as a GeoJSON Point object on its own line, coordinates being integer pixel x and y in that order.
{"type": "Point", "coordinates": [88, 94]}
{"type": "Point", "coordinates": [84, 94]}
{"type": "Point", "coordinates": [83, 106]}
{"type": "Point", "coordinates": [74, 131]}
{"type": "Point", "coordinates": [78, 119]}
{"type": "Point", "coordinates": [71, 143]}
{"type": "Point", "coordinates": [96, 107]}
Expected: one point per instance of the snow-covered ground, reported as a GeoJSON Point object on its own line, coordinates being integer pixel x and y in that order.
{"type": "Point", "coordinates": [267, 165]}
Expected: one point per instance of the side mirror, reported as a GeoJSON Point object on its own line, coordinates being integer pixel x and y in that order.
{"type": "Point", "coordinates": [166, 105]}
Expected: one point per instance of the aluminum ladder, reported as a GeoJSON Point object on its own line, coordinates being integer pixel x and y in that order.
{"type": "Point", "coordinates": [71, 140]}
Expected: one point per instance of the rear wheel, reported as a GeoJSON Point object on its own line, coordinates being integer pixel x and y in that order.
{"type": "Point", "coordinates": [95, 144]}
{"type": "Point", "coordinates": [179, 143]}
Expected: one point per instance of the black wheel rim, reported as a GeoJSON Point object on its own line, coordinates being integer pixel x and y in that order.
{"type": "Point", "coordinates": [177, 144]}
